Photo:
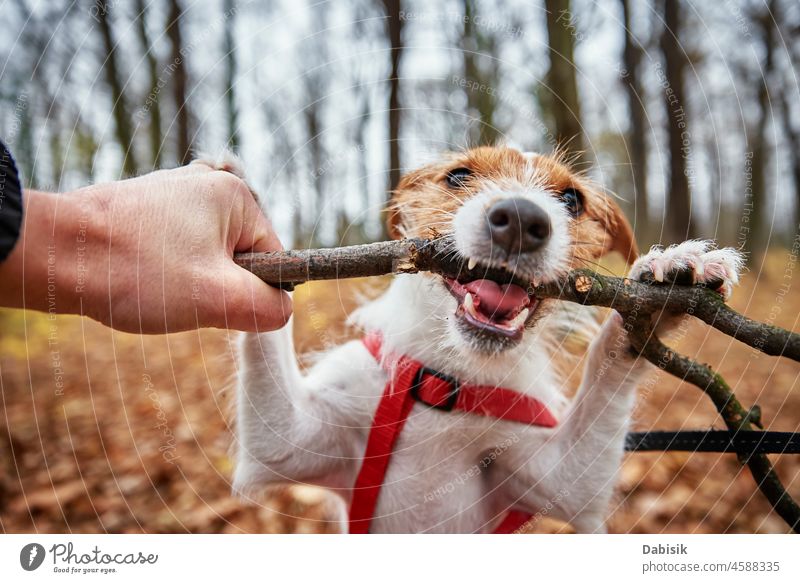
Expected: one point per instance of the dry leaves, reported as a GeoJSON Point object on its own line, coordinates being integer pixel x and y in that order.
{"type": "Point", "coordinates": [109, 432]}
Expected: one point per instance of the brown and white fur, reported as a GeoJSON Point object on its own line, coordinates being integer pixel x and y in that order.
{"type": "Point", "coordinates": [454, 472]}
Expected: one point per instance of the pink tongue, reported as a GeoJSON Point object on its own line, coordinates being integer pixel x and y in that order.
{"type": "Point", "coordinates": [496, 300]}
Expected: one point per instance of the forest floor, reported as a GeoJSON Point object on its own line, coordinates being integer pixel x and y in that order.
{"type": "Point", "coordinates": [102, 431]}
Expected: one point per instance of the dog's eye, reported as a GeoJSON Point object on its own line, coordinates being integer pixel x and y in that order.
{"type": "Point", "coordinates": [573, 200]}
{"type": "Point", "coordinates": [458, 178]}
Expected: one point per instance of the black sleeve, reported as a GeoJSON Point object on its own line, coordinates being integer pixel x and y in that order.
{"type": "Point", "coordinates": [10, 202]}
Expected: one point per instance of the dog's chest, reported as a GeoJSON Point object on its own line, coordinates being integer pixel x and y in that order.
{"type": "Point", "coordinates": [442, 476]}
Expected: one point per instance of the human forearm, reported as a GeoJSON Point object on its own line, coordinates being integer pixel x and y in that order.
{"type": "Point", "coordinates": [151, 254]}
{"type": "Point", "coordinates": [47, 268]}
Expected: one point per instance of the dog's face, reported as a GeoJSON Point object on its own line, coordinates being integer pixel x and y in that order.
{"type": "Point", "coordinates": [526, 213]}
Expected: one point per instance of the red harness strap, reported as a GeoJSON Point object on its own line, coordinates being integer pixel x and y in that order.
{"type": "Point", "coordinates": [411, 381]}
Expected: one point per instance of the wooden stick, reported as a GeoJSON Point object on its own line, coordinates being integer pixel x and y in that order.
{"type": "Point", "coordinates": [287, 269]}
{"type": "Point", "coordinates": [637, 302]}
{"type": "Point", "coordinates": [735, 416]}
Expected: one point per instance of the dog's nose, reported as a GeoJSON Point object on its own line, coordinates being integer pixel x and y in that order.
{"type": "Point", "coordinates": [518, 225]}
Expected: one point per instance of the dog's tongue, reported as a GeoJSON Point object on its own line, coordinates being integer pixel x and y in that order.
{"type": "Point", "coordinates": [495, 300]}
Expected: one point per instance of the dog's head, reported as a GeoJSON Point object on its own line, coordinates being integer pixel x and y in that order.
{"type": "Point", "coordinates": [526, 213]}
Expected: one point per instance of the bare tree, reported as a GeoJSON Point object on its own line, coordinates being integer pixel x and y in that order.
{"type": "Point", "coordinates": [312, 116]}
{"type": "Point", "coordinates": [561, 95]}
{"type": "Point", "coordinates": [757, 140]}
{"type": "Point", "coordinates": [122, 121]}
{"type": "Point", "coordinates": [316, 83]}
{"type": "Point", "coordinates": [283, 166]}
{"type": "Point", "coordinates": [230, 74]}
{"type": "Point", "coordinates": [636, 140]}
{"type": "Point", "coordinates": [680, 224]}
{"type": "Point", "coordinates": [365, 99]}
{"type": "Point", "coordinates": [793, 138]}
{"type": "Point", "coordinates": [394, 32]}
{"type": "Point", "coordinates": [362, 126]}
{"type": "Point", "coordinates": [15, 94]}
{"type": "Point", "coordinates": [791, 31]}
{"type": "Point", "coordinates": [478, 45]}
{"type": "Point", "coordinates": [152, 100]}
{"type": "Point", "coordinates": [180, 82]}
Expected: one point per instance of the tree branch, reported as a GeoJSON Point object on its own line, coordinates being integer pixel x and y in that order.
{"type": "Point", "coordinates": [735, 416]}
{"type": "Point", "coordinates": [637, 302]}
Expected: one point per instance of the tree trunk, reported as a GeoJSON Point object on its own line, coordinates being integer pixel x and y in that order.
{"type": "Point", "coordinates": [791, 129]}
{"type": "Point", "coordinates": [319, 167]}
{"type": "Point", "coordinates": [24, 148]}
{"type": "Point", "coordinates": [180, 81]}
{"type": "Point", "coordinates": [793, 137]}
{"type": "Point", "coordinates": [757, 141]}
{"type": "Point", "coordinates": [57, 155]}
{"type": "Point", "coordinates": [678, 213]}
{"type": "Point", "coordinates": [394, 32]}
{"type": "Point", "coordinates": [230, 75]}
{"type": "Point", "coordinates": [151, 103]}
{"type": "Point", "coordinates": [562, 85]}
{"type": "Point", "coordinates": [480, 102]}
{"type": "Point", "coordinates": [363, 169]}
{"type": "Point", "coordinates": [122, 121]}
{"type": "Point", "coordinates": [637, 133]}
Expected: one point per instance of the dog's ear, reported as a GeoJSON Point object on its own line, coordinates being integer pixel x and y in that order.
{"type": "Point", "coordinates": [394, 218]}
{"type": "Point", "coordinates": [399, 202]}
{"type": "Point", "coordinates": [606, 226]}
{"type": "Point", "coordinates": [624, 241]}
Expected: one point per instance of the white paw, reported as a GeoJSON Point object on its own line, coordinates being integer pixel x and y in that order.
{"type": "Point", "coordinates": [691, 262]}
{"type": "Point", "coordinates": [226, 161]}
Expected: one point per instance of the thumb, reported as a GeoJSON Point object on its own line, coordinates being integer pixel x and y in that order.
{"type": "Point", "coordinates": [256, 232]}
{"type": "Point", "coordinates": [252, 305]}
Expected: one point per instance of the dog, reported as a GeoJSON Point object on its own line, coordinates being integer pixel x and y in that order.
{"type": "Point", "coordinates": [451, 470]}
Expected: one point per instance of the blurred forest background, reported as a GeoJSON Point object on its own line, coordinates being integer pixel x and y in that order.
{"type": "Point", "coordinates": [687, 110]}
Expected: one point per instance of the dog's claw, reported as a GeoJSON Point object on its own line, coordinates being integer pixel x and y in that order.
{"type": "Point", "coordinates": [691, 262]}
{"type": "Point", "coordinates": [699, 268]}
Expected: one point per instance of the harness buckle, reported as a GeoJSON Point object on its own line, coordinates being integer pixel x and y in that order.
{"type": "Point", "coordinates": [452, 395]}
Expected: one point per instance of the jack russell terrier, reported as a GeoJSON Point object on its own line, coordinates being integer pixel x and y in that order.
{"type": "Point", "coordinates": [450, 415]}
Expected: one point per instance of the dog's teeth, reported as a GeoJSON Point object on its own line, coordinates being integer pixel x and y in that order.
{"type": "Point", "coordinates": [471, 264]}
{"type": "Point", "coordinates": [519, 319]}
{"type": "Point", "coordinates": [469, 305]}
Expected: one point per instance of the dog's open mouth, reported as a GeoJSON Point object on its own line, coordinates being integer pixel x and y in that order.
{"type": "Point", "coordinates": [497, 308]}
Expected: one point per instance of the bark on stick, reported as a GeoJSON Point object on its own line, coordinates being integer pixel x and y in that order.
{"type": "Point", "coordinates": [636, 301]}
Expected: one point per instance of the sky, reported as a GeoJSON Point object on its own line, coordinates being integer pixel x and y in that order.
{"type": "Point", "coordinates": [291, 53]}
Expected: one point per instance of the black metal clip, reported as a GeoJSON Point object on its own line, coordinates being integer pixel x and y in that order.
{"type": "Point", "coordinates": [452, 396]}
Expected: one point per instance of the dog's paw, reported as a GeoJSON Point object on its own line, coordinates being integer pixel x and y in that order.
{"type": "Point", "coordinates": [226, 161]}
{"type": "Point", "coordinates": [689, 263]}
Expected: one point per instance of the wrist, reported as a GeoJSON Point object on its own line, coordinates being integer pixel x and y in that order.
{"type": "Point", "coordinates": [84, 248]}
{"type": "Point", "coordinates": [49, 268]}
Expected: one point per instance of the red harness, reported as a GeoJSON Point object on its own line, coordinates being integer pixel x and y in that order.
{"type": "Point", "coordinates": [411, 381]}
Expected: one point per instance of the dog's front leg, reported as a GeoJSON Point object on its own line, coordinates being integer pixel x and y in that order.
{"type": "Point", "coordinates": [290, 427]}
{"type": "Point", "coordinates": [591, 438]}
{"type": "Point", "coordinates": [569, 472]}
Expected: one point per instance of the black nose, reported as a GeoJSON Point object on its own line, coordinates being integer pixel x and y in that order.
{"type": "Point", "coordinates": [518, 225]}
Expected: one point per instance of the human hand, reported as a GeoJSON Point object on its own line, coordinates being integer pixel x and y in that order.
{"type": "Point", "coordinates": [151, 254]}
